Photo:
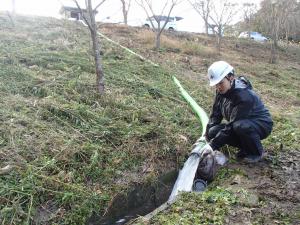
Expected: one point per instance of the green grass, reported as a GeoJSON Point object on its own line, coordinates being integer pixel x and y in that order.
{"type": "Point", "coordinates": [68, 144]}
{"type": "Point", "coordinates": [192, 208]}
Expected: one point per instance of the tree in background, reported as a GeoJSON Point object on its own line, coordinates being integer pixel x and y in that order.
{"type": "Point", "coordinates": [125, 9]}
{"type": "Point", "coordinates": [293, 33]}
{"type": "Point", "coordinates": [274, 19]}
{"type": "Point", "coordinates": [221, 14]}
{"type": "Point", "coordinates": [288, 13]}
{"type": "Point", "coordinates": [89, 18]}
{"type": "Point", "coordinates": [291, 9]}
{"type": "Point", "coordinates": [249, 9]}
{"type": "Point", "coordinates": [274, 22]}
{"type": "Point", "coordinates": [147, 6]}
{"type": "Point", "coordinates": [202, 7]}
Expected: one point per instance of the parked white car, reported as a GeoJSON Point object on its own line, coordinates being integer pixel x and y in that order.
{"type": "Point", "coordinates": [256, 36]}
{"type": "Point", "coordinates": [171, 24]}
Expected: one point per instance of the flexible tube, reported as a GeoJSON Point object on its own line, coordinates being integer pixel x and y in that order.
{"type": "Point", "coordinates": [202, 116]}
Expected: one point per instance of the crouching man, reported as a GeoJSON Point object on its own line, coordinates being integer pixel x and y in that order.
{"type": "Point", "coordinates": [248, 121]}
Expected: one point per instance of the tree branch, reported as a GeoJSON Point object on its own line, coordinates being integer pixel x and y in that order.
{"type": "Point", "coordinates": [99, 5]}
{"type": "Point", "coordinates": [140, 3]}
{"type": "Point", "coordinates": [167, 20]}
{"type": "Point", "coordinates": [84, 17]}
{"type": "Point", "coordinates": [163, 8]}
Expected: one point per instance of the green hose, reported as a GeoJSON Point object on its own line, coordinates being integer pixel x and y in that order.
{"type": "Point", "coordinates": [202, 116]}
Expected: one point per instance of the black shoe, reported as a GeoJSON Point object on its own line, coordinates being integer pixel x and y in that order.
{"type": "Point", "coordinates": [240, 155]}
{"type": "Point", "coordinates": [253, 158]}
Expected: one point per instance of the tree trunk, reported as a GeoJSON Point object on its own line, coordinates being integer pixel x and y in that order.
{"type": "Point", "coordinates": [99, 70]}
{"type": "Point", "coordinates": [276, 42]}
{"type": "Point", "coordinates": [206, 27]}
{"type": "Point", "coordinates": [124, 12]}
{"type": "Point", "coordinates": [273, 52]}
{"type": "Point", "coordinates": [276, 30]}
{"type": "Point", "coordinates": [219, 37]}
{"type": "Point", "coordinates": [96, 50]}
{"type": "Point", "coordinates": [287, 31]}
{"type": "Point", "coordinates": [125, 18]}
{"type": "Point", "coordinates": [248, 28]}
{"type": "Point", "coordinates": [157, 40]}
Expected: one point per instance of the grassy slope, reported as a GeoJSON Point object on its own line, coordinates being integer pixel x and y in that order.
{"type": "Point", "coordinates": [74, 150]}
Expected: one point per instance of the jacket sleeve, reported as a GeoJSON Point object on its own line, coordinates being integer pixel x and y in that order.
{"type": "Point", "coordinates": [216, 115]}
{"type": "Point", "coordinates": [242, 105]}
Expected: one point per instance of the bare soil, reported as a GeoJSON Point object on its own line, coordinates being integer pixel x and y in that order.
{"type": "Point", "coordinates": [273, 185]}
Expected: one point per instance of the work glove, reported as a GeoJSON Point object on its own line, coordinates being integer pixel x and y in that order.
{"type": "Point", "coordinates": [202, 152]}
{"type": "Point", "coordinates": [207, 149]}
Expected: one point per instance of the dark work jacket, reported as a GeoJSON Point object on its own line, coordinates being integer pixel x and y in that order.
{"type": "Point", "coordinates": [238, 103]}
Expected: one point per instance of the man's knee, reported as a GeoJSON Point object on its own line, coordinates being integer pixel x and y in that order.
{"type": "Point", "coordinates": [241, 127]}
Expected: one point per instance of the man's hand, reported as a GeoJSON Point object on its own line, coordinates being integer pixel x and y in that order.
{"type": "Point", "coordinates": [207, 149]}
{"type": "Point", "coordinates": [202, 152]}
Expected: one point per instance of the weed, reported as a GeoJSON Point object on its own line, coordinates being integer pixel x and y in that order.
{"type": "Point", "coordinates": [210, 207]}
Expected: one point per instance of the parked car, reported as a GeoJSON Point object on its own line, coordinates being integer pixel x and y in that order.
{"type": "Point", "coordinates": [256, 36]}
{"type": "Point", "coordinates": [171, 24]}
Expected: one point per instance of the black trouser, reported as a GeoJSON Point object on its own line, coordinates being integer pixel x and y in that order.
{"type": "Point", "coordinates": [246, 135]}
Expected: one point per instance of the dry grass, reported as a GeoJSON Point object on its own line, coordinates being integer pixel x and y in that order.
{"type": "Point", "coordinates": [176, 44]}
{"type": "Point", "coordinates": [146, 37]}
{"type": "Point", "coordinates": [170, 42]}
{"type": "Point", "coordinates": [196, 49]}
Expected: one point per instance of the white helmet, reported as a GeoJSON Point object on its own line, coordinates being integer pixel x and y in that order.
{"type": "Point", "coordinates": [217, 71]}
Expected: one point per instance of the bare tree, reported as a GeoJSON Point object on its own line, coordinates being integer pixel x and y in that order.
{"type": "Point", "coordinates": [249, 9]}
{"type": "Point", "coordinates": [125, 9]}
{"type": "Point", "coordinates": [147, 6]}
{"type": "Point", "coordinates": [222, 13]}
{"type": "Point", "coordinates": [292, 26]}
{"type": "Point", "coordinates": [89, 18]}
{"type": "Point", "coordinates": [289, 7]}
{"type": "Point", "coordinates": [202, 7]}
{"type": "Point", "coordinates": [273, 19]}
{"type": "Point", "coordinates": [274, 22]}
